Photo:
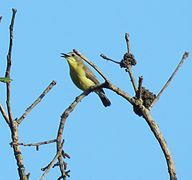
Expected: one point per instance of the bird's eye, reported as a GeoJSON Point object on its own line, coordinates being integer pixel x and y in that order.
{"type": "Point", "coordinates": [73, 55]}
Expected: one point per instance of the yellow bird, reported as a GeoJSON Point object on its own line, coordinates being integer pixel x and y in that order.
{"type": "Point", "coordinates": [83, 77]}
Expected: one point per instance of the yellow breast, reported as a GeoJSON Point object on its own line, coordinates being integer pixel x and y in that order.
{"type": "Point", "coordinates": [78, 76]}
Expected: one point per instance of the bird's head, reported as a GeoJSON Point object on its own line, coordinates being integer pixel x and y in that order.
{"type": "Point", "coordinates": [72, 58]}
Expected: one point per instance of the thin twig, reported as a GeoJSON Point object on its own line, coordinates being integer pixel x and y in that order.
{"type": "Point", "coordinates": [4, 114]}
{"type": "Point", "coordinates": [127, 42]}
{"type": "Point", "coordinates": [61, 128]}
{"type": "Point", "coordinates": [9, 62]}
{"type": "Point", "coordinates": [184, 57]}
{"type": "Point", "coordinates": [38, 100]}
{"type": "Point", "coordinates": [51, 164]}
{"type": "Point", "coordinates": [65, 155]}
{"type": "Point", "coordinates": [37, 144]}
{"type": "Point", "coordinates": [66, 175]}
{"type": "Point", "coordinates": [63, 121]}
{"type": "Point", "coordinates": [13, 125]}
{"type": "Point", "coordinates": [1, 106]}
{"type": "Point", "coordinates": [139, 93]}
{"type": "Point", "coordinates": [109, 59]}
{"type": "Point", "coordinates": [91, 64]}
{"type": "Point", "coordinates": [130, 72]}
{"type": "Point", "coordinates": [129, 67]}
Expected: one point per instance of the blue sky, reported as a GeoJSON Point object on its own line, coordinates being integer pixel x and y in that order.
{"type": "Point", "coordinates": [104, 143]}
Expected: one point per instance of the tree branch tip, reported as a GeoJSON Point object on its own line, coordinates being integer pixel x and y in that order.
{"type": "Point", "coordinates": [67, 173]}
{"type": "Point", "coordinates": [56, 164]}
{"type": "Point", "coordinates": [65, 155]}
{"type": "Point", "coordinates": [108, 59]}
{"type": "Point", "coordinates": [141, 77]}
{"type": "Point", "coordinates": [103, 56]}
{"type": "Point", "coordinates": [75, 51]}
{"type": "Point", "coordinates": [62, 142]}
{"type": "Point", "coordinates": [14, 10]}
{"type": "Point", "coordinates": [127, 42]}
{"type": "Point", "coordinates": [54, 82]}
{"type": "Point", "coordinates": [139, 91]}
{"type": "Point", "coordinates": [127, 36]}
{"type": "Point", "coordinates": [186, 55]}
{"type": "Point", "coordinates": [37, 148]}
{"type": "Point", "coordinates": [28, 174]}
{"type": "Point", "coordinates": [43, 169]}
{"type": "Point", "coordinates": [140, 80]}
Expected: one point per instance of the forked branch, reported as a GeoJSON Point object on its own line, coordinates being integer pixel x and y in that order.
{"type": "Point", "coordinates": [65, 114]}
{"type": "Point", "coordinates": [12, 124]}
{"type": "Point", "coordinates": [145, 113]}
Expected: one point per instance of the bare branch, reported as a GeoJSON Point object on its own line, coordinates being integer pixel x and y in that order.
{"type": "Point", "coordinates": [67, 175]}
{"type": "Point", "coordinates": [120, 92]}
{"type": "Point", "coordinates": [38, 100]}
{"type": "Point", "coordinates": [154, 128]}
{"type": "Point", "coordinates": [147, 116]}
{"type": "Point", "coordinates": [184, 57]}
{"type": "Point", "coordinates": [139, 92]}
{"type": "Point", "coordinates": [65, 155]}
{"type": "Point", "coordinates": [129, 70]}
{"type": "Point", "coordinates": [1, 106]}
{"type": "Point", "coordinates": [144, 112]}
{"type": "Point", "coordinates": [91, 64]}
{"type": "Point", "coordinates": [109, 59]}
{"type": "Point", "coordinates": [63, 121]}
{"type": "Point", "coordinates": [159, 136]}
{"type": "Point", "coordinates": [129, 61]}
{"type": "Point", "coordinates": [13, 126]}
{"type": "Point", "coordinates": [51, 164]}
{"type": "Point", "coordinates": [127, 42]}
{"type": "Point", "coordinates": [9, 62]}
{"type": "Point", "coordinates": [37, 144]}
{"type": "Point", "coordinates": [61, 129]}
{"type": "Point", "coordinates": [4, 114]}
{"type": "Point", "coordinates": [137, 103]}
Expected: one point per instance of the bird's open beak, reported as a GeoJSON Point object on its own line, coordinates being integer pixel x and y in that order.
{"type": "Point", "coordinates": [64, 55]}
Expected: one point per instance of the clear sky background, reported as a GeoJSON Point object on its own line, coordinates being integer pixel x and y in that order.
{"type": "Point", "coordinates": [104, 143]}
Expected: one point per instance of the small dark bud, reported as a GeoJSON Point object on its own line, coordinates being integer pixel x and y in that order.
{"type": "Point", "coordinates": [147, 97]}
{"type": "Point", "coordinates": [128, 60]}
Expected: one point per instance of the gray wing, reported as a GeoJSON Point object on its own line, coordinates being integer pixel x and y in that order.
{"type": "Point", "coordinates": [89, 74]}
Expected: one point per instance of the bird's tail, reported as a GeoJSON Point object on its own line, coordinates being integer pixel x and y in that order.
{"type": "Point", "coordinates": [106, 102]}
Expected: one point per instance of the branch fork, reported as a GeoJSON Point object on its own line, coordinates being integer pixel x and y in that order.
{"type": "Point", "coordinates": [142, 102]}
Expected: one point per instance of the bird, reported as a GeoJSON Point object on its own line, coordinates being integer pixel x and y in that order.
{"type": "Point", "coordinates": [83, 77]}
{"type": "Point", "coordinates": [5, 79]}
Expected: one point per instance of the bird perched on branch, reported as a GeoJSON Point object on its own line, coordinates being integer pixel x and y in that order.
{"type": "Point", "coordinates": [83, 77]}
